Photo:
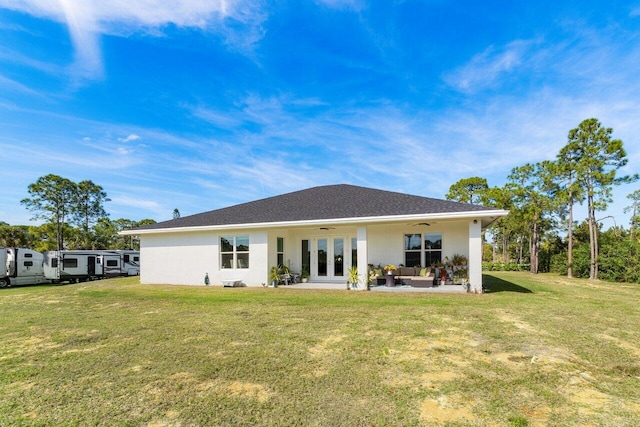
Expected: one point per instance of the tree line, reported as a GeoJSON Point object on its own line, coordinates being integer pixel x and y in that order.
{"type": "Point", "coordinates": [540, 229]}
{"type": "Point", "coordinates": [73, 217]}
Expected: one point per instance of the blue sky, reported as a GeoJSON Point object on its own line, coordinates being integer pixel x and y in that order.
{"type": "Point", "coordinates": [198, 105]}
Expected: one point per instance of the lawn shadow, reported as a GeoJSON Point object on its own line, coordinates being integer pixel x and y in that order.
{"type": "Point", "coordinates": [492, 284]}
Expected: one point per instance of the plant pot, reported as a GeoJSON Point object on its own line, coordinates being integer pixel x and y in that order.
{"type": "Point", "coordinates": [390, 281]}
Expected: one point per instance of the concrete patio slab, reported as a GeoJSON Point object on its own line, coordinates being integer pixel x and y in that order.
{"type": "Point", "coordinates": [444, 289]}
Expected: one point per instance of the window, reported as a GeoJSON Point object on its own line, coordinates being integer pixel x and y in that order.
{"type": "Point", "coordinates": [354, 252]}
{"type": "Point", "coordinates": [322, 257]}
{"type": "Point", "coordinates": [28, 263]}
{"type": "Point", "coordinates": [112, 263]}
{"type": "Point", "coordinates": [234, 252]}
{"type": "Point", "coordinates": [28, 255]}
{"type": "Point", "coordinates": [306, 256]}
{"type": "Point", "coordinates": [422, 250]}
{"type": "Point", "coordinates": [432, 248]}
{"type": "Point", "coordinates": [54, 262]}
{"type": "Point", "coordinates": [136, 258]}
{"type": "Point", "coordinates": [126, 258]}
{"type": "Point", "coordinates": [412, 250]}
{"type": "Point", "coordinates": [280, 251]}
{"type": "Point", "coordinates": [70, 263]}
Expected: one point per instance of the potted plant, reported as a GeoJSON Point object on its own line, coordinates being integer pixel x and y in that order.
{"type": "Point", "coordinates": [274, 275]}
{"type": "Point", "coordinates": [389, 271]}
{"type": "Point", "coordinates": [304, 276]}
{"type": "Point", "coordinates": [353, 278]}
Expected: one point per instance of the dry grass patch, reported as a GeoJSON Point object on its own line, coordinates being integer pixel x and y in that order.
{"type": "Point", "coordinates": [536, 350]}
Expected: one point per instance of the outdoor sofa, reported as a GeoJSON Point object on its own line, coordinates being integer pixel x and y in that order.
{"type": "Point", "coordinates": [417, 277]}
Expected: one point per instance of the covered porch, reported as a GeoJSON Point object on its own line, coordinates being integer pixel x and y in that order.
{"type": "Point", "coordinates": [442, 289]}
{"type": "Point", "coordinates": [327, 252]}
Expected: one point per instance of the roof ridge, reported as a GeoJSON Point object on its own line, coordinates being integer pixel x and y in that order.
{"type": "Point", "coordinates": [324, 202]}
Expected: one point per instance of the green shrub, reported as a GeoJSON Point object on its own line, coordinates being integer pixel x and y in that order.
{"type": "Point", "coordinates": [505, 266]}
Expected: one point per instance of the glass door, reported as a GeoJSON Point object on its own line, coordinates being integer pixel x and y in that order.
{"type": "Point", "coordinates": [330, 258]}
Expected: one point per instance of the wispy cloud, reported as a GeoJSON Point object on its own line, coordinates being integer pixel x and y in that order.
{"type": "Point", "coordinates": [14, 86]}
{"type": "Point", "coordinates": [486, 68]}
{"type": "Point", "coordinates": [80, 22]}
{"type": "Point", "coordinates": [123, 201]}
{"type": "Point", "coordinates": [240, 22]}
{"type": "Point", "coordinates": [131, 137]}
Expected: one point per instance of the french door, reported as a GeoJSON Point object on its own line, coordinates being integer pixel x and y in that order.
{"type": "Point", "coordinates": [329, 254]}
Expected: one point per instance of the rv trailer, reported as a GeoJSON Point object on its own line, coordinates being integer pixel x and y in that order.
{"type": "Point", "coordinates": [4, 276]}
{"type": "Point", "coordinates": [21, 267]}
{"type": "Point", "coordinates": [130, 262]}
{"type": "Point", "coordinates": [119, 262]}
{"type": "Point", "coordinates": [72, 266]}
{"type": "Point", "coordinates": [83, 265]}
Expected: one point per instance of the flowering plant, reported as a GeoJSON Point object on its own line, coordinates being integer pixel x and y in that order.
{"type": "Point", "coordinates": [390, 268]}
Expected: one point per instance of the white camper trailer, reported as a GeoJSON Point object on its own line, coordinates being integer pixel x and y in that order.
{"type": "Point", "coordinates": [82, 265]}
{"type": "Point", "coordinates": [130, 262]}
{"type": "Point", "coordinates": [111, 264]}
{"type": "Point", "coordinates": [4, 277]}
{"type": "Point", "coordinates": [72, 266]}
{"type": "Point", "coordinates": [21, 267]}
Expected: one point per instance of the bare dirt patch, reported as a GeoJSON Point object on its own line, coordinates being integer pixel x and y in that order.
{"type": "Point", "coordinates": [239, 389]}
{"type": "Point", "coordinates": [444, 410]}
{"type": "Point", "coordinates": [326, 346]}
{"type": "Point", "coordinates": [621, 343]}
{"type": "Point", "coordinates": [507, 317]}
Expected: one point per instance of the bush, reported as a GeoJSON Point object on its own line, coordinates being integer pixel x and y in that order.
{"type": "Point", "coordinates": [505, 266]}
{"type": "Point", "coordinates": [619, 259]}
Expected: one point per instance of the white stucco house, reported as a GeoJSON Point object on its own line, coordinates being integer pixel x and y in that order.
{"type": "Point", "coordinates": [324, 229]}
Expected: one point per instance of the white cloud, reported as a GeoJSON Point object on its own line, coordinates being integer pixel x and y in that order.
{"type": "Point", "coordinates": [221, 119]}
{"type": "Point", "coordinates": [114, 15]}
{"type": "Point", "coordinates": [7, 83]}
{"type": "Point", "coordinates": [484, 69]}
{"type": "Point", "coordinates": [138, 203]}
{"type": "Point", "coordinates": [131, 137]}
{"type": "Point", "coordinates": [80, 20]}
{"type": "Point", "coordinates": [87, 20]}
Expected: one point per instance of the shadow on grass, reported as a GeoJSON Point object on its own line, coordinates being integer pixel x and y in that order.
{"type": "Point", "coordinates": [493, 284]}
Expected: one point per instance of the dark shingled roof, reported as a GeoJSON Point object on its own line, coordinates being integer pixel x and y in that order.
{"type": "Point", "coordinates": [320, 203]}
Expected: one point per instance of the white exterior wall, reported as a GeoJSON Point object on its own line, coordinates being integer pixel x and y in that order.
{"type": "Point", "coordinates": [184, 257]}
{"type": "Point", "coordinates": [386, 242]}
{"type": "Point", "coordinates": [475, 256]}
{"type": "Point", "coordinates": [363, 258]}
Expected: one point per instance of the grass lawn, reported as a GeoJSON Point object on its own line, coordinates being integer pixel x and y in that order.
{"type": "Point", "coordinates": [534, 350]}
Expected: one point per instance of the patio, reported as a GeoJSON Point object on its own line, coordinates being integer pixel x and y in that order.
{"type": "Point", "coordinates": [443, 289]}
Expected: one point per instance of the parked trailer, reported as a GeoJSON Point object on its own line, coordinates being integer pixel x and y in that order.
{"type": "Point", "coordinates": [121, 262]}
{"type": "Point", "coordinates": [83, 265]}
{"type": "Point", "coordinates": [21, 267]}
{"type": "Point", "coordinates": [4, 281]}
{"type": "Point", "coordinates": [72, 266]}
{"type": "Point", "coordinates": [130, 262]}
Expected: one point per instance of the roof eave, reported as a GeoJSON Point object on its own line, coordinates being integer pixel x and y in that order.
{"type": "Point", "coordinates": [488, 217]}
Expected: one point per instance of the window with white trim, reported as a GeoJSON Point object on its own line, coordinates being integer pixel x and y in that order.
{"type": "Point", "coordinates": [413, 250]}
{"type": "Point", "coordinates": [280, 251]}
{"type": "Point", "coordinates": [422, 250]}
{"type": "Point", "coordinates": [234, 252]}
{"type": "Point", "coordinates": [432, 249]}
